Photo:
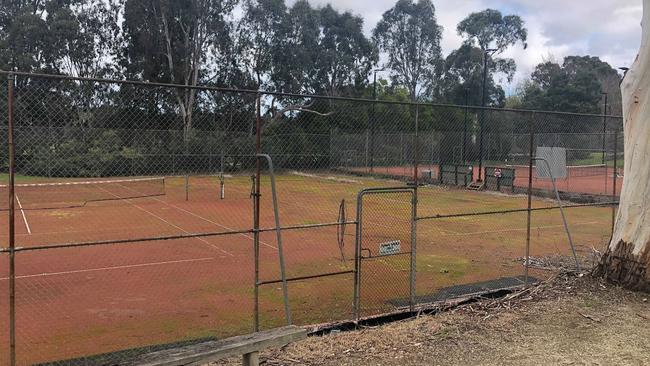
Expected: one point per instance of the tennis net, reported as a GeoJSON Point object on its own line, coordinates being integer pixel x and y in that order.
{"type": "Point", "coordinates": [72, 194]}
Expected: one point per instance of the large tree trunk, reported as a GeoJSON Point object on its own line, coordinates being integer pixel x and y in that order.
{"type": "Point", "coordinates": [627, 258]}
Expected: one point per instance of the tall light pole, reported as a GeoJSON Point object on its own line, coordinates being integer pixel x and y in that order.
{"type": "Point", "coordinates": [486, 53]}
{"type": "Point", "coordinates": [372, 119]}
{"type": "Point", "coordinates": [465, 126]}
{"type": "Point", "coordinates": [604, 125]}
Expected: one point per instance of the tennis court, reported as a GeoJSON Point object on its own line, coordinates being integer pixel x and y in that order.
{"type": "Point", "coordinates": [135, 229]}
{"type": "Point", "coordinates": [586, 179]}
{"type": "Point", "coordinates": [159, 291]}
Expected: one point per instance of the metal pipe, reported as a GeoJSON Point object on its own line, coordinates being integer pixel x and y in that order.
{"type": "Point", "coordinates": [170, 237]}
{"type": "Point", "coordinates": [373, 121]}
{"type": "Point", "coordinates": [12, 228]}
{"type": "Point", "coordinates": [516, 210]}
{"type": "Point", "coordinates": [301, 278]}
{"type": "Point", "coordinates": [284, 228]}
{"type": "Point", "coordinates": [604, 127]}
{"type": "Point", "coordinates": [278, 233]}
{"type": "Point", "coordinates": [531, 153]}
{"type": "Point", "coordinates": [483, 104]}
{"type": "Point", "coordinates": [464, 153]}
{"type": "Point", "coordinates": [417, 149]}
{"type": "Point", "coordinates": [564, 221]}
{"type": "Point", "coordinates": [256, 213]}
{"type": "Point", "coordinates": [281, 94]}
{"type": "Point", "coordinates": [614, 179]}
{"type": "Point", "coordinates": [126, 241]}
{"type": "Point", "coordinates": [357, 260]}
{"type": "Point", "coordinates": [414, 224]}
{"type": "Point", "coordinates": [187, 187]}
{"type": "Point", "coordinates": [482, 121]}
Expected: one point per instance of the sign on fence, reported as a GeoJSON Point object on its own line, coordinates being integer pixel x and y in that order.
{"type": "Point", "coordinates": [390, 247]}
{"type": "Point", "coordinates": [556, 158]}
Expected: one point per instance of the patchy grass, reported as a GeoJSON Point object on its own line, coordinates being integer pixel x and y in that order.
{"type": "Point", "coordinates": [566, 321]}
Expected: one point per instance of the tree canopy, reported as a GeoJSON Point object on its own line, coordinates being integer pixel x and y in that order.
{"type": "Point", "coordinates": [298, 48]}
{"type": "Point", "coordinates": [573, 86]}
{"type": "Point", "coordinates": [410, 36]}
{"type": "Point", "coordinates": [486, 33]}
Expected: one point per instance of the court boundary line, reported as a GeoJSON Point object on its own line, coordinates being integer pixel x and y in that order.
{"type": "Point", "coordinates": [204, 219]}
{"type": "Point", "coordinates": [86, 270]}
{"type": "Point", "coordinates": [22, 211]}
{"type": "Point", "coordinates": [169, 223]}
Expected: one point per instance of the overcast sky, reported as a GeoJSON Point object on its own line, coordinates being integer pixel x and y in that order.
{"type": "Point", "coordinates": [609, 29]}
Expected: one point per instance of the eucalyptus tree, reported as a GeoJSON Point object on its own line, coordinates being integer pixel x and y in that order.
{"type": "Point", "coordinates": [573, 86]}
{"type": "Point", "coordinates": [409, 36]}
{"type": "Point", "coordinates": [627, 259]}
{"type": "Point", "coordinates": [180, 42]}
{"type": "Point", "coordinates": [260, 33]}
{"type": "Point", "coordinates": [346, 56]}
{"type": "Point", "coordinates": [487, 33]}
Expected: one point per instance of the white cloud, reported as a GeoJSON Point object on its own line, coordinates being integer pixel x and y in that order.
{"type": "Point", "coordinates": [556, 28]}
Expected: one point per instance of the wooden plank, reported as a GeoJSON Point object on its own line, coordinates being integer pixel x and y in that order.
{"type": "Point", "coordinates": [251, 359]}
{"type": "Point", "coordinates": [215, 350]}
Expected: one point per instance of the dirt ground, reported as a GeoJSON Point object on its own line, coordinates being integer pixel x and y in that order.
{"type": "Point", "coordinates": [567, 320]}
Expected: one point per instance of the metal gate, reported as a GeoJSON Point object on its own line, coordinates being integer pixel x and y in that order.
{"type": "Point", "coordinates": [385, 250]}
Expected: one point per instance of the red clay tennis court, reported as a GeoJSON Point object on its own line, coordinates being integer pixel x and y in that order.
{"type": "Point", "coordinates": [93, 297]}
{"type": "Point", "coordinates": [588, 179]}
{"type": "Point", "coordinates": [197, 278]}
{"type": "Point", "coordinates": [144, 257]}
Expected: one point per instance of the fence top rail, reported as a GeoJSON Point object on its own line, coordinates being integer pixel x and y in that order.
{"type": "Point", "coordinates": [293, 95]}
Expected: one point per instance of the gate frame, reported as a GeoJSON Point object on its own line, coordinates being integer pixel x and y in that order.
{"type": "Point", "coordinates": [358, 242]}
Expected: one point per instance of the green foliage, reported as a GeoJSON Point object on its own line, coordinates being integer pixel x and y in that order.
{"type": "Point", "coordinates": [72, 37]}
{"type": "Point", "coordinates": [462, 80]}
{"type": "Point", "coordinates": [95, 129]}
{"type": "Point", "coordinates": [573, 86]}
{"type": "Point", "coordinates": [410, 36]}
{"type": "Point", "coordinates": [490, 29]}
{"type": "Point", "coordinates": [260, 34]}
{"type": "Point", "coordinates": [463, 74]}
{"type": "Point", "coordinates": [321, 51]}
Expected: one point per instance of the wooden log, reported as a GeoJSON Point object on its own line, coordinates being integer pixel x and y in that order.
{"type": "Point", "coordinates": [248, 345]}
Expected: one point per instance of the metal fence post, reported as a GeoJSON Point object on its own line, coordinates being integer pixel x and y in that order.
{"type": "Point", "coordinates": [357, 260]}
{"type": "Point", "coordinates": [414, 229]}
{"type": "Point", "coordinates": [256, 211]}
{"type": "Point", "coordinates": [614, 180]}
{"type": "Point", "coordinates": [278, 232]}
{"type": "Point", "coordinates": [464, 153]}
{"type": "Point", "coordinates": [531, 156]}
{"type": "Point", "coordinates": [417, 150]}
{"type": "Point", "coordinates": [12, 232]}
{"type": "Point", "coordinates": [414, 212]}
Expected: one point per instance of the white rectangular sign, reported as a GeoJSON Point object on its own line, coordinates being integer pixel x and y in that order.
{"type": "Point", "coordinates": [555, 159]}
{"type": "Point", "coordinates": [390, 247]}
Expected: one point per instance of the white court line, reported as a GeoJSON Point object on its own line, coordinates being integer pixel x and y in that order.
{"type": "Point", "coordinates": [29, 231]}
{"type": "Point", "coordinates": [169, 223]}
{"type": "Point", "coordinates": [204, 219]}
{"type": "Point", "coordinates": [109, 268]}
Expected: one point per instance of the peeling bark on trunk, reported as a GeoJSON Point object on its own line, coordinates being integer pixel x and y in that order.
{"type": "Point", "coordinates": [622, 266]}
{"type": "Point", "coordinates": [627, 259]}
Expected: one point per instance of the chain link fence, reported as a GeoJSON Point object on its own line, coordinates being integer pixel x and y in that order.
{"type": "Point", "coordinates": [143, 217]}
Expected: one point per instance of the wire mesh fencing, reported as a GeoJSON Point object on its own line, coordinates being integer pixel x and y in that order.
{"type": "Point", "coordinates": [143, 221]}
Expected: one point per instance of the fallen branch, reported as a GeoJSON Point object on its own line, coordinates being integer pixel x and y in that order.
{"type": "Point", "coordinates": [590, 317]}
